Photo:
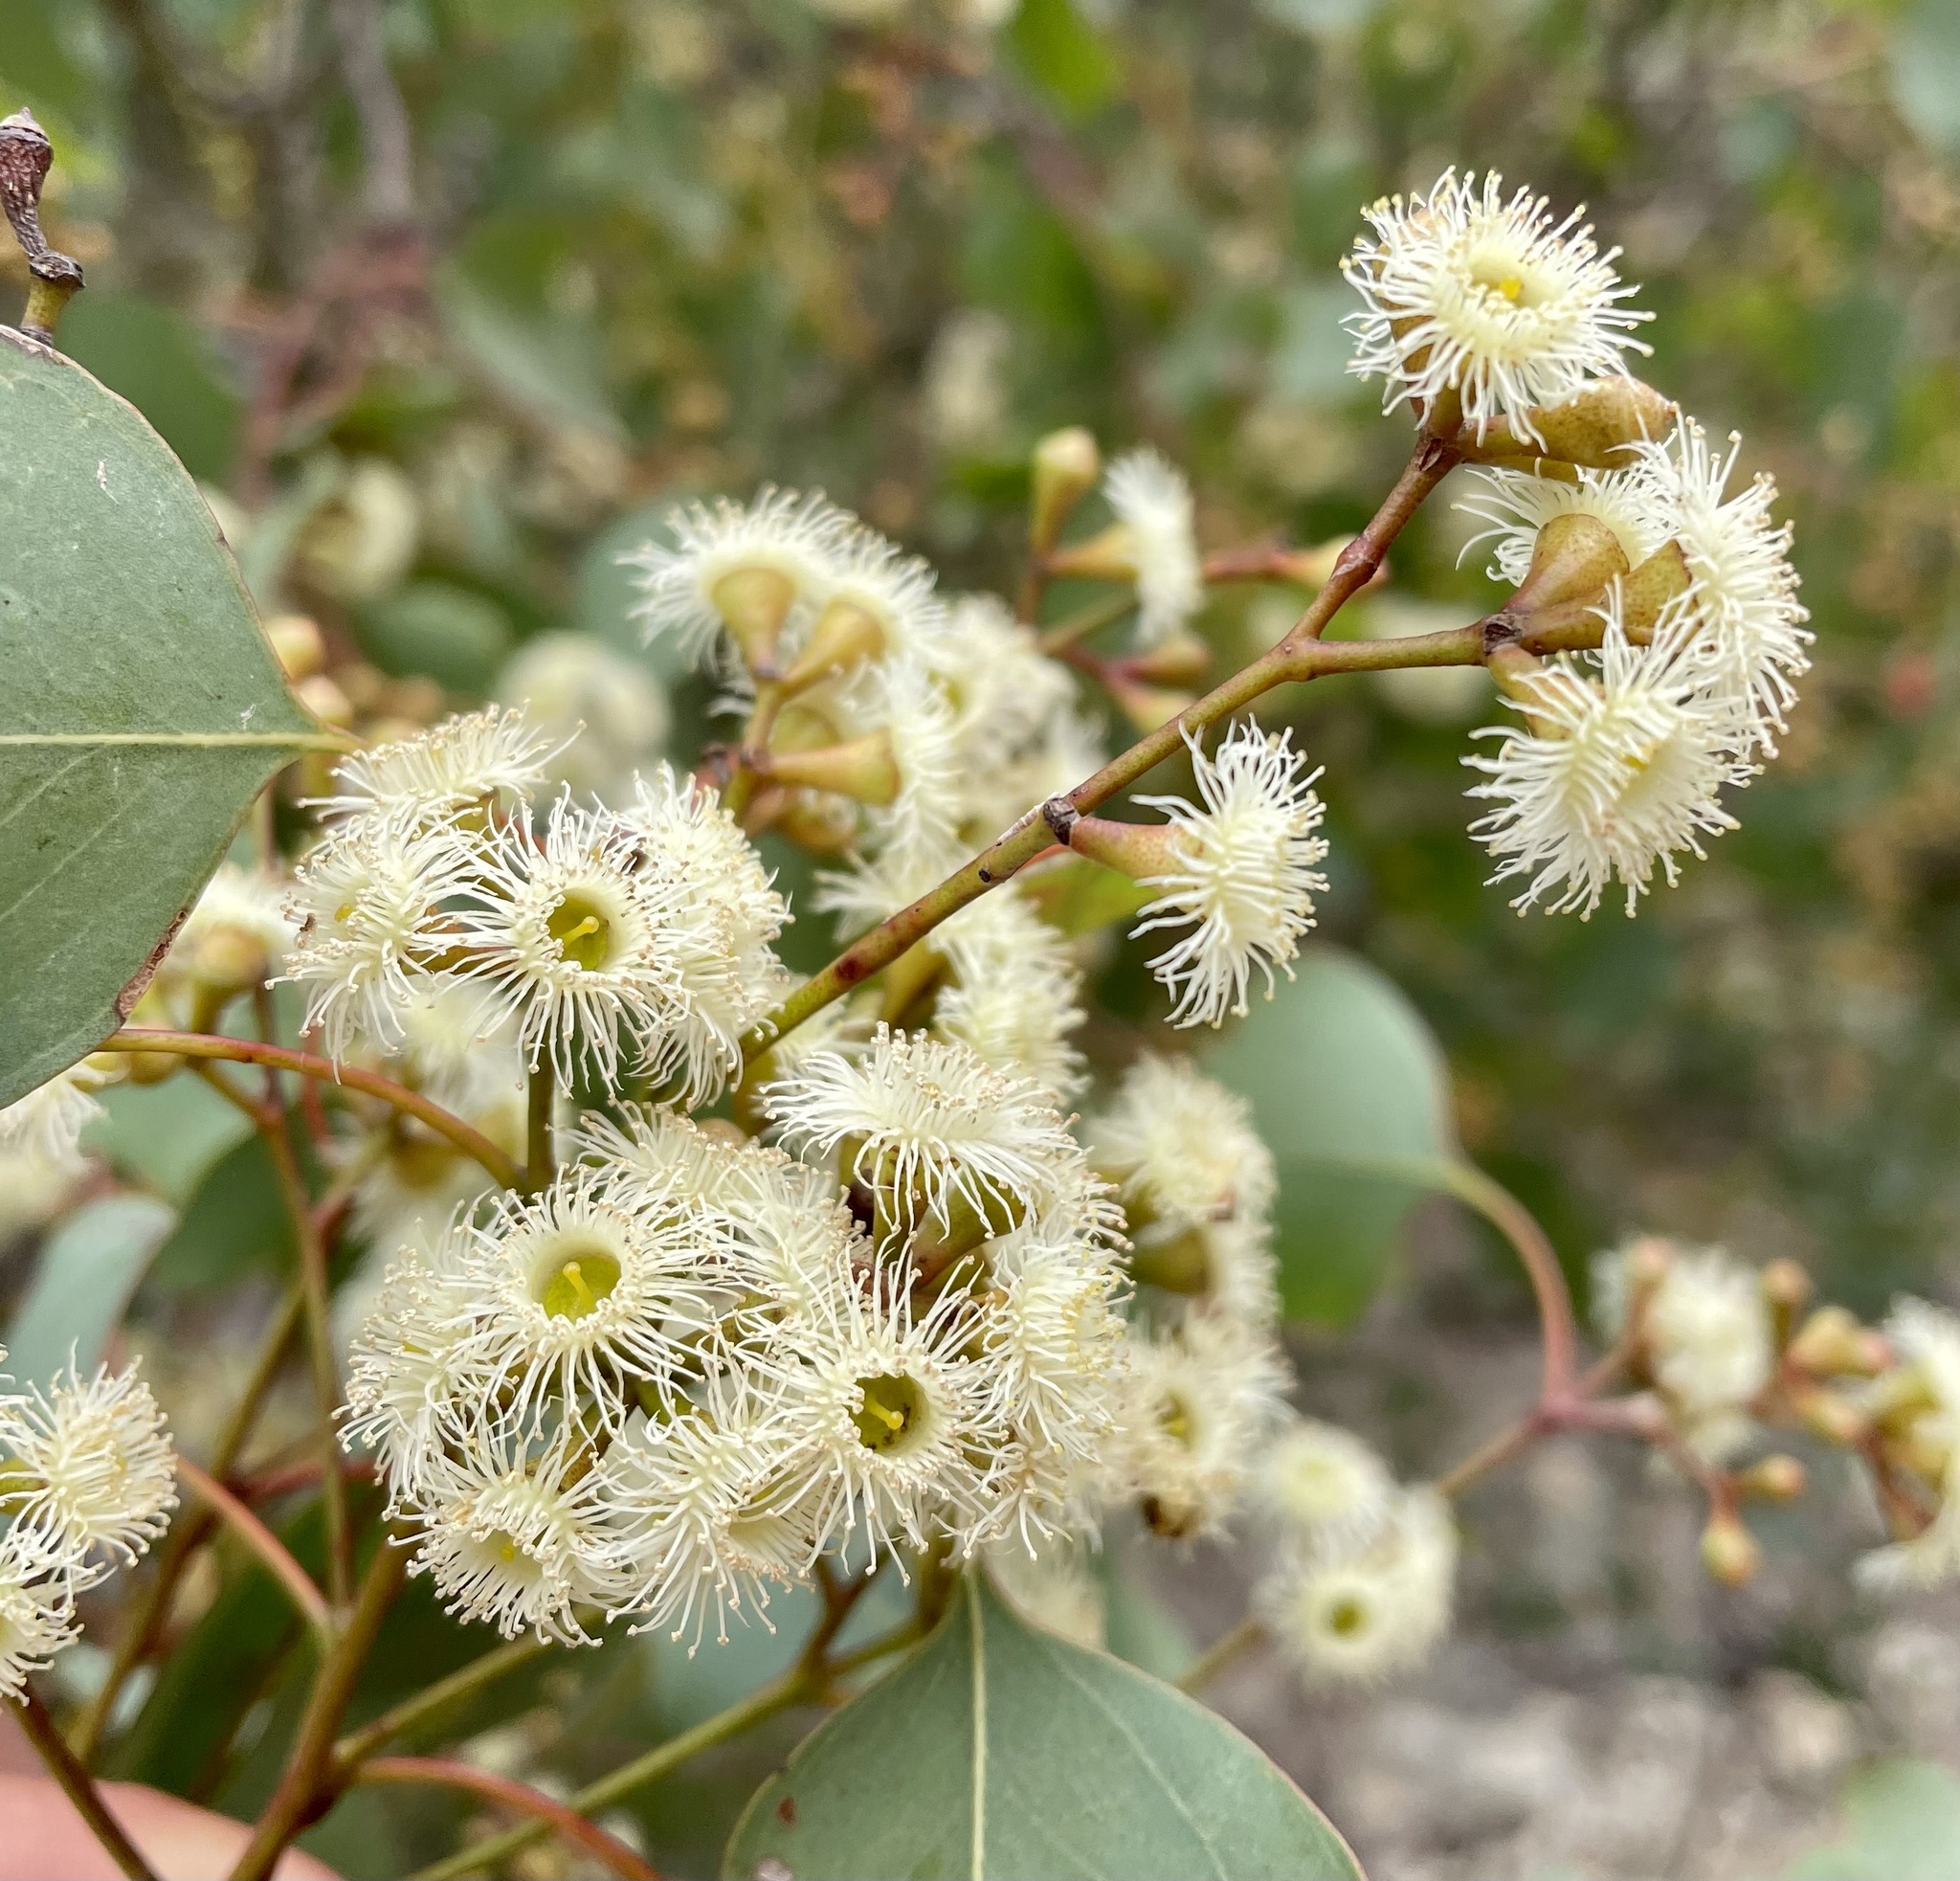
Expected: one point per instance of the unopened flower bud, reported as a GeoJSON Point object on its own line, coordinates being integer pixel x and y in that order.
{"type": "Point", "coordinates": [1574, 558]}
{"type": "Point", "coordinates": [1730, 1554]}
{"type": "Point", "coordinates": [1774, 1479]}
{"type": "Point", "coordinates": [1066, 466]}
{"type": "Point", "coordinates": [1785, 1285]}
{"type": "Point", "coordinates": [1664, 576]}
{"type": "Point", "coordinates": [297, 644]}
{"type": "Point", "coordinates": [1833, 1418]}
{"type": "Point", "coordinates": [325, 701]}
{"type": "Point", "coordinates": [1832, 1343]}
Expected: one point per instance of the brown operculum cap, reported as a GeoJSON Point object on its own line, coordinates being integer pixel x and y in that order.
{"type": "Point", "coordinates": [1600, 428]}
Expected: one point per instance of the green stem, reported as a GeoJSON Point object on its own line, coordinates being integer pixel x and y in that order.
{"type": "Point", "coordinates": [1085, 621]}
{"type": "Point", "coordinates": [308, 1064]}
{"type": "Point", "coordinates": [72, 1774]}
{"type": "Point", "coordinates": [1519, 1226]}
{"type": "Point", "coordinates": [806, 1682]}
{"type": "Point", "coordinates": [541, 1093]}
{"type": "Point", "coordinates": [778, 1695]}
{"type": "Point", "coordinates": [276, 1134]}
{"type": "Point", "coordinates": [1302, 654]}
{"type": "Point", "coordinates": [271, 1551]}
{"type": "Point", "coordinates": [294, 1801]}
{"type": "Point", "coordinates": [357, 1746]}
{"type": "Point", "coordinates": [546, 1811]}
{"type": "Point", "coordinates": [1221, 1652]}
{"type": "Point", "coordinates": [186, 1535]}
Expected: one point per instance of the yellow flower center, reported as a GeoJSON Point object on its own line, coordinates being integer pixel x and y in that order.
{"type": "Point", "coordinates": [575, 1282]}
{"type": "Point", "coordinates": [1346, 1616]}
{"type": "Point", "coordinates": [890, 1408]}
{"type": "Point", "coordinates": [583, 932]}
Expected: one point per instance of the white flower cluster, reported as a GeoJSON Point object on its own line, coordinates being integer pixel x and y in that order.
{"type": "Point", "coordinates": [87, 1482]}
{"type": "Point", "coordinates": [910, 733]}
{"type": "Point", "coordinates": [1624, 756]}
{"type": "Point", "coordinates": [1700, 1331]}
{"type": "Point", "coordinates": [1366, 1569]}
{"type": "Point", "coordinates": [692, 1365]}
{"type": "Point", "coordinates": [1914, 1408]}
{"type": "Point", "coordinates": [636, 939]}
{"type": "Point", "coordinates": [1238, 875]}
{"type": "Point", "coordinates": [1207, 1377]}
{"type": "Point", "coordinates": [1468, 293]}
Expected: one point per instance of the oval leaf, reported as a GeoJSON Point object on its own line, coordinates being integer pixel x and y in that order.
{"type": "Point", "coordinates": [998, 1749]}
{"type": "Point", "coordinates": [1349, 1089]}
{"type": "Point", "coordinates": [141, 713]}
{"type": "Point", "coordinates": [88, 1268]}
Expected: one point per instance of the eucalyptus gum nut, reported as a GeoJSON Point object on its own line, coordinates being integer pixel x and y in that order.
{"type": "Point", "coordinates": [1601, 427]}
{"type": "Point", "coordinates": [845, 635]}
{"type": "Point", "coordinates": [1137, 850]}
{"type": "Point", "coordinates": [1108, 555]}
{"type": "Point", "coordinates": [1066, 464]}
{"type": "Point", "coordinates": [1645, 594]}
{"type": "Point", "coordinates": [754, 602]}
{"type": "Point", "coordinates": [1573, 559]}
{"type": "Point", "coordinates": [865, 769]}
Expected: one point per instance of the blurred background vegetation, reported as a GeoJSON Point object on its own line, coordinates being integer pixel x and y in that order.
{"type": "Point", "coordinates": [440, 347]}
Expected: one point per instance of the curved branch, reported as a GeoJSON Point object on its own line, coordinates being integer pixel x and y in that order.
{"type": "Point", "coordinates": [1519, 1226]}
{"type": "Point", "coordinates": [272, 1553]}
{"type": "Point", "coordinates": [513, 1795]}
{"type": "Point", "coordinates": [472, 1142]}
{"type": "Point", "coordinates": [72, 1774]}
{"type": "Point", "coordinates": [1302, 654]}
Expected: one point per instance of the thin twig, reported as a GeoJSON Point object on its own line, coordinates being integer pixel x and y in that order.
{"type": "Point", "coordinates": [72, 1774]}
{"type": "Point", "coordinates": [470, 1141]}
{"type": "Point", "coordinates": [513, 1795]}
{"type": "Point", "coordinates": [1302, 654]}
{"type": "Point", "coordinates": [778, 1695]}
{"type": "Point", "coordinates": [272, 1553]}
{"type": "Point", "coordinates": [1250, 1632]}
{"type": "Point", "coordinates": [300, 1783]}
{"type": "Point", "coordinates": [358, 1745]}
{"type": "Point", "coordinates": [1519, 1226]}
{"type": "Point", "coordinates": [186, 1535]}
{"type": "Point", "coordinates": [327, 1385]}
